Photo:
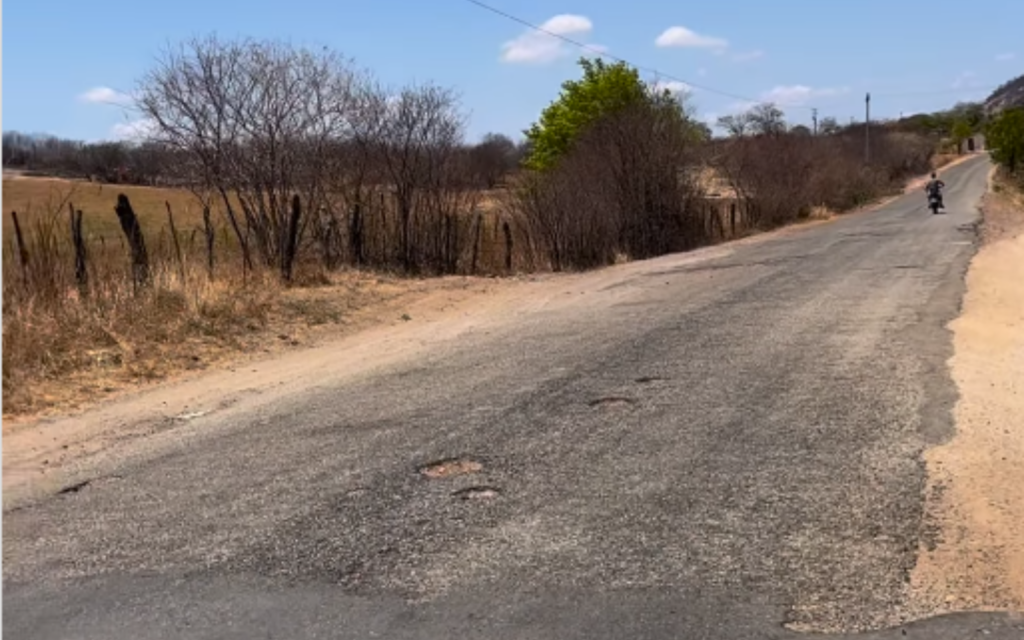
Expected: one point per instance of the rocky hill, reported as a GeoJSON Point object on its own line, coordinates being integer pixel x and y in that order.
{"type": "Point", "coordinates": [1011, 94]}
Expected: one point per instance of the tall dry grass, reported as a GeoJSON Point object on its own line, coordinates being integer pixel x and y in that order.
{"type": "Point", "coordinates": [53, 328]}
{"type": "Point", "coordinates": [63, 341]}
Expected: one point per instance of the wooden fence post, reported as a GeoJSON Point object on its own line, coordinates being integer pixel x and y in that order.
{"type": "Point", "coordinates": [22, 251]}
{"type": "Point", "coordinates": [291, 240]}
{"type": "Point", "coordinates": [507, 230]}
{"type": "Point", "coordinates": [78, 241]}
{"type": "Point", "coordinates": [477, 233]}
{"type": "Point", "coordinates": [177, 243]}
{"type": "Point", "coordinates": [210, 239]}
{"type": "Point", "coordinates": [133, 232]}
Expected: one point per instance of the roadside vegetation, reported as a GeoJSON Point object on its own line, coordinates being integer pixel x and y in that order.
{"type": "Point", "coordinates": [1005, 136]}
{"type": "Point", "coordinates": [279, 187]}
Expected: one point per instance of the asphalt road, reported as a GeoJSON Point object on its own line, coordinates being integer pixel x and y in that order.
{"type": "Point", "coordinates": [723, 447]}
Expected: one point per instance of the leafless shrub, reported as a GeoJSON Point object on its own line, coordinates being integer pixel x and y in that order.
{"type": "Point", "coordinates": [254, 119]}
{"type": "Point", "coordinates": [491, 160]}
{"type": "Point", "coordinates": [781, 178]}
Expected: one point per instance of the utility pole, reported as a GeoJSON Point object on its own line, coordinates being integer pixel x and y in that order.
{"type": "Point", "coordinates": [867, 128]}
{"type": "Point", "coordinates": [814, 116]}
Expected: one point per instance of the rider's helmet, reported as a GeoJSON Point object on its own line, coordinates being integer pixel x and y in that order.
{"type": "Point", "coordinates": [933, 175]}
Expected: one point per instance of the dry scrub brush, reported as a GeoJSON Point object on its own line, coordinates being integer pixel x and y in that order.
{"type": "Point", "coordinates": [625, 188]}
{"type": "Point", "coordinates": [781, 178]}
{"type": "Point", "coordinates": [53, 328]}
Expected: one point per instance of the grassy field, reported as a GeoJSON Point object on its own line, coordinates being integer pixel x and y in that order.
{"type": "Point", "coordinates": [34, 197]}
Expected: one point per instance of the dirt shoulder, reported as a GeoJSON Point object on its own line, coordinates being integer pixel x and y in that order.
{"type": "Point", "coordinates": [974, 557]}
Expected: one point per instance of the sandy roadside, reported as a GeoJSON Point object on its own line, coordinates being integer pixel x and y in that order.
{"type": "Point", "coordinates": [973, 557]}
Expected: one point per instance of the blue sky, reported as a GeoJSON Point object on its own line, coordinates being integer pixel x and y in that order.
{"type": "Point", "coordinates": [911, 54]}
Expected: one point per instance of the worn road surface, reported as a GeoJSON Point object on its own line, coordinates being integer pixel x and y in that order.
{"type": "Point", "coordinates": [723, 445]}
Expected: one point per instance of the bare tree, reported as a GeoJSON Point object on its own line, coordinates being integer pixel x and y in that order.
{"type": "Point", "coordinates": [491, 159]}
{"type": "Point", "coordinates": [735, 125]}
{"type": "Point", "coordinates": [421, 134]}
{"type": "Point", "coordinates": [767, 120]}
{"type": "Point", "coordinates": [254, 119]}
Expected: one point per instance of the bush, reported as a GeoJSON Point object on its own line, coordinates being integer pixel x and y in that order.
{"type": "Point", "coordinates": [622, 189]}
{"type": "Point", "coordinates": [780, 179]}
{"type": "Point", "coordinates": [1005, 137]}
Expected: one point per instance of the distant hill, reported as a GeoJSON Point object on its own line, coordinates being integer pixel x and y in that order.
{"type": "Point", "coordinates": [1011, 94]}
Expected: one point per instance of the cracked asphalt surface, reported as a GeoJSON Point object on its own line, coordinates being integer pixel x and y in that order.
{"type": "Point", "coordinates": [727, 448]}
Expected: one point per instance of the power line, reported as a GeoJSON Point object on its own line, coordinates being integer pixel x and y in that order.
{"type": "Point", "coordinates": [727, 94]}
{"type": "Point", "coordinates": [656, 72]}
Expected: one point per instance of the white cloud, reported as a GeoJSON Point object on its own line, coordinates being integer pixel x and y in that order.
{"type": "Point", "coordinates": [537, 47]}
{"type": "Point", "coordinates": [747, 56]}
{"type": "Point", "coordinates": [133, 130]}
{"type": "Point", "coordinates": [683, 37]}
{"type": "Point", "coordinates": [798, 94]}
{"type": "Point", "coordinates": [105, 95]}
{"type": "Point", "coordinates": [568, 23]}
{"type": "Point", "coordinates": [963, 80]}
{"type": "Point", "coordinates": [1006, 57]}
{"type": "Point", "coordinates": [672, 86]}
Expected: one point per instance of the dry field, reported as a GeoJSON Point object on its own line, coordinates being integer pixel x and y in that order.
{"type": "Point", "coordinates": [32, 197]}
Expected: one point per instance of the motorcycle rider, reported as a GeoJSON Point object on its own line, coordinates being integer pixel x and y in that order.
{"type": "Point", "coordinates": [934, 188]}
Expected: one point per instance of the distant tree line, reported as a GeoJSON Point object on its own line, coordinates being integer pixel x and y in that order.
{"type": "Point", "coordinates": [154, 164]}
{"type": "Point", "coordinates": [112, 162]}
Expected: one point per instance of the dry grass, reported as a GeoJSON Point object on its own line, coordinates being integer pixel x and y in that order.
{"type": "Point", "coordinates": [96, 200]}
{"type": "Point", "coordinates": [59, 353]}
{"type": "Point", "coordinates": [62, 348]}
{"type": "Point", "coordinates": [942, 159]}
{"type": "Point", "coordinates": [33, 196]}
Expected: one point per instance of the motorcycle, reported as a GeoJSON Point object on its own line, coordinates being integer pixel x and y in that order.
{"type": "Point", "coordinates": [934, 203]}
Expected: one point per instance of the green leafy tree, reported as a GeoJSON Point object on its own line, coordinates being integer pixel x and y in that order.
{"type": "Point", "coordinates": [829, 126]}
{"type": "Point", "coordinates": [1005, 138]}
{"type": "Point", "coordinates": [603, 90]}
{"type": "Point", "coordinates": [961, 131]}
{"type": "Point", "coordinates": [972, 112]}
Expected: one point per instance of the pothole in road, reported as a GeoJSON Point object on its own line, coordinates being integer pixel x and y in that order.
{"type": "Point", "coordinates": [648, 379]}
{"type": "Point", "coordinates": [450, 467]}
{"type": "Point", "coordinates": [612, 401]}
{"type": "Point", "coordinates": [477, 493]}
{"type": "Point", "coordinates": [84, 484]}
{"type": "Point", "coordinates": [74, 488]}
